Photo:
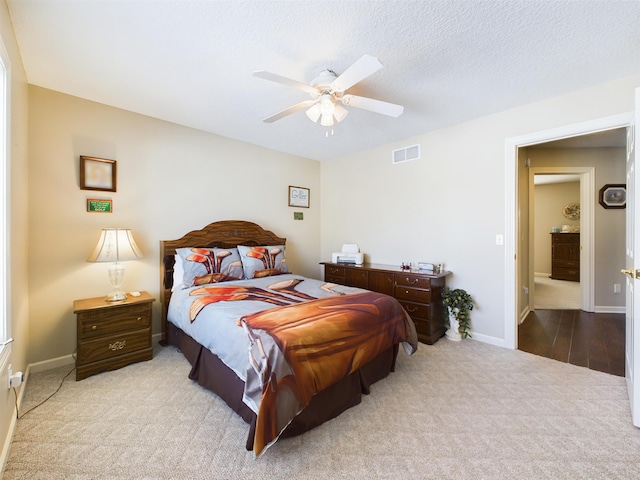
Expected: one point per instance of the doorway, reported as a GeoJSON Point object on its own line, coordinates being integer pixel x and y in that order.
{"type": "Point", "coordinates": [516, 309]}
{"type": "Point", "coordinates": [561, 220]}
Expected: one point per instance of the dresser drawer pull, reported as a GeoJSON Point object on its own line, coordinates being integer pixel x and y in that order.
{"type": "Point", "coordinates": [139, 319]}
{"type": "Point", "coordinates": [117, 345]}
{"type": "Point", "coordinates": [94, 327]}
{"type": "Point", "coordinates": [410, 309]}
{"type": "Point", "coordinates": [411, 281]}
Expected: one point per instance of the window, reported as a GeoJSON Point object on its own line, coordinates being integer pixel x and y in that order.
{"type": "Point", "coordinates": [5, 325]}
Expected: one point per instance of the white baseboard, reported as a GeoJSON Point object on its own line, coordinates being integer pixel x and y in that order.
{"type": "Point", "coordinates": [51, 363]}
{"type": "Point", "coordinates": [605, 309]}
{"type": "Point", "coordinates": [498, 342]}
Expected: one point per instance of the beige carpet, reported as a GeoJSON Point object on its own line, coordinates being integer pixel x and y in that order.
{"type": "Point", "coordinates": [556, 294]}
{"type": "Point", "coordinates": [464, 410]}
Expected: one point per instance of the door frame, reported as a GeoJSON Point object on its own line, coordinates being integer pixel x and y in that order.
{"type": "Point", "coordinates": [587, 231]}
{"type": "Point", "coordinates": [511, 315]}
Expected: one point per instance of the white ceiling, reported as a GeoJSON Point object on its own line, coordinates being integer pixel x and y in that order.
{"type": "Point", "coordinates": [446, 61]}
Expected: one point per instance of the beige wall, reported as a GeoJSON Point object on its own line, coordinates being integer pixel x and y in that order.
{"type": "Point", "coordinates": [549, 200]}
{"type": "Point", "coordinates": [171, 180]}
{"type": "Point", "coordinates": [609, 164]}
{"type": "Point", "coordinates": [450, 205]}
{"type": "Point", "coordinates": [18, 301]}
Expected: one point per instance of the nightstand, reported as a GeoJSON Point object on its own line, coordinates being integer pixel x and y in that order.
{"type": "Point", "coordinates": [112, 334]}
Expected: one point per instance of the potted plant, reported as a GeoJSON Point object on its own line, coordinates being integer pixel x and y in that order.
{"type": "Point", "coordinates": [458, 304]}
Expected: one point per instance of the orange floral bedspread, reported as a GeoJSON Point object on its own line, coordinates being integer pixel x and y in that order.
{"type": "Point", "coordinates": [302, 345]}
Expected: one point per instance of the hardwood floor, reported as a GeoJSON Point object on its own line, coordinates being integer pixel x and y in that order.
{"type": "Point", "coordinates": [593, 340]}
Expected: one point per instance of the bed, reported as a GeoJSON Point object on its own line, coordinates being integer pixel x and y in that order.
{"type": "Point", "coordinates": [285, 352]}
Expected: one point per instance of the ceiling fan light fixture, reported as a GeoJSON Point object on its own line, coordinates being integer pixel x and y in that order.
{"type": "Point", "coordinates": [340, 112]}
{"type": "Point", "coordinates": [314, 113]}
{"type": "Point", "coordinates": [326, 120]}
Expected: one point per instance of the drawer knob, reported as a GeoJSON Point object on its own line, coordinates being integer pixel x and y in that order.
{"type": "Point", "coordinates": [139, 319]}
{"type": "Point", "coordinates": [94, 327]}
{"type": "Point", "coordinates": [406, 292]}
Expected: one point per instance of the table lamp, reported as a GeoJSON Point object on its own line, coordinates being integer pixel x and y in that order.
{"type": "Point", "coordinates": [115, 245]}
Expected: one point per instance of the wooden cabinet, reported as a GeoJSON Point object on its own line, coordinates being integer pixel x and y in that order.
{"type": "Point", "coordinates": [565, 256]}
{"type": "Point", "coordinates": [112, 334]}
{"type": "Point", "coordinates": [418, 293]}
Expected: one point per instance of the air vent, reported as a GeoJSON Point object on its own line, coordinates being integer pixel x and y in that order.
{"type": "Point", "coordinates": [406, 154]}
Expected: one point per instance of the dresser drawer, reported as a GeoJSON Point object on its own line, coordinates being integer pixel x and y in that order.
{"type": "Point", "coordinates": [334, 271]}
{"type": "Point", "coordinates": [428, 331]}
{"type": "Point", "coordinates": [114, 346]}
{"type": "Point", "coordinates": [334, 279]}
{"type": "Point", "coordinates": [566, 263]}
{"type": "Point", "coordinates": [412, 294]}
{"type": "Point", "coordinates": [562, 273]}
{"type": "Point", "coordinates": [357, 278]}
{"type": "Point", "coordinates": [407, 280]}
{"type": "Point", "coordinates": [104, 322]}
{"type": "Point", "coordinates": [416, 310]}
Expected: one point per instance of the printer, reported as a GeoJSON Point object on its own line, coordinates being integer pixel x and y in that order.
{"type": "Point", "coordinates": [349, 255]}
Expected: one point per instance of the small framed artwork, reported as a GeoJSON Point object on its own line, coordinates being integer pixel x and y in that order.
{"type": "Point", "coordinates": [97, 174]}
{"type": "Point", "coordinates": [98, 205]}
{"type": "Point", "coordinates": [613, 195]}
{"type": "Point", "coordinates": [298, 216]}
{"type": "Point", "coordinates": [299, 197]}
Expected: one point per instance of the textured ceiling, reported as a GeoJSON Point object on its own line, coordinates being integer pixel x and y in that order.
{"type": "Point", "coordinates": [191, 62]}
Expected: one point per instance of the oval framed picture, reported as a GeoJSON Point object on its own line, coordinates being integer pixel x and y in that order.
{"type": "Point", "coordinates": [613, 195]}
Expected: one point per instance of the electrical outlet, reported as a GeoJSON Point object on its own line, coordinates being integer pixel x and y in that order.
{"type": "Point", "coordinates": [9, 373]}
{"type": "Point", "coordinates": [616, 288]}
{"type": "Point", "coordinates": [525, 290]}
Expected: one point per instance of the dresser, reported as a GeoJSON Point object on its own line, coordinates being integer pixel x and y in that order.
{"type": "Point", "coordinates": [565, 256]}
{"type": "Point", "coordinates": [112, 334]}
{"type": "Point", "coordinates": [418, 293]}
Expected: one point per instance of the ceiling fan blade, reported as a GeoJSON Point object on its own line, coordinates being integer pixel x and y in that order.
{"type": "Point", "coordinates": [365, 66]}
{"type": "Point", "coordinates": [378, 106]}
{"type": "Point", "coordinates": [288, 111]}
{"type": "Point", "coordinates": [285, 81]}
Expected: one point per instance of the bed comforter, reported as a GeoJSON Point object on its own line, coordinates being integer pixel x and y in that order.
{"type": "Point", "coordinates": [289, 337]}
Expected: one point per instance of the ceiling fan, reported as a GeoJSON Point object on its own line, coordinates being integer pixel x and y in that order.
{"type": "Point", "coordinates": [329, 89]}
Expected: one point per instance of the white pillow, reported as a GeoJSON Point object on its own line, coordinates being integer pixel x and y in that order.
{"type": "Point", "coordinates": [178, 273]}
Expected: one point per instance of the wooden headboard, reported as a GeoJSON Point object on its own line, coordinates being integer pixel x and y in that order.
{"type": "Point", "coordinates": [222, 234]}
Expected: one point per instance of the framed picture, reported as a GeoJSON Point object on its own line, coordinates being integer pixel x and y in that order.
{"type": "Point", "coordinates": [97, 174]}
{"type": "Point", "coordinates": [613, 195]}
{"type": "Point", "coordinates": [99, 205]}
{"type": "Point", "coordinates": [298, 197]}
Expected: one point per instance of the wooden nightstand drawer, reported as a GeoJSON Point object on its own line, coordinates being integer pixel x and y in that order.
{"type": "Point", "coordinates": [412, 294]}
{"type": "Point", "coordinates": [114, 346]}
{"type": "Point", "coordinates": [98, 323]}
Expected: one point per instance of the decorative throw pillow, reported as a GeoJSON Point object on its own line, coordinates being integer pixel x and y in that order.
{"type": "Point", "coordinates": [209, 265]}
{"type": "Point", "coordinates": [178, 273]}
{"type": "Point", "coordinates": [263, 261]}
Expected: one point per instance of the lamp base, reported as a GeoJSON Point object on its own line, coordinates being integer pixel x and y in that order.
{"type": "Point", "coordinates": [116, 296]}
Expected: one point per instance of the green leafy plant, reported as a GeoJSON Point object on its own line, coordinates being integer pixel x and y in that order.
{"type": "Point", "coordinates": [459, 303]}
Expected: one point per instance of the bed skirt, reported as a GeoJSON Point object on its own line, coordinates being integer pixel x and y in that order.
{"type": "Point", "coordinates": [209, 371]}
